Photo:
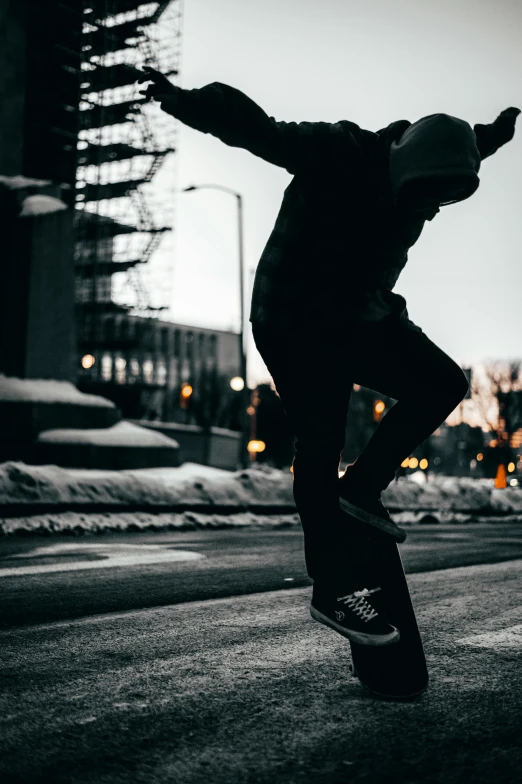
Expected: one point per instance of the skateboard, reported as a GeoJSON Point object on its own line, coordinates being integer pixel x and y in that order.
{"type": "Point", "coordinates": [396, 671]}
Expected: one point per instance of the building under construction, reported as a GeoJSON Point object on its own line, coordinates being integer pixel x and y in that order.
{"type": "Point", "coordinates": [75, 127]}
{"type": "Point", "coordinates": [124, 217]}
{"type": "Point", "coordinates": [123, 205]}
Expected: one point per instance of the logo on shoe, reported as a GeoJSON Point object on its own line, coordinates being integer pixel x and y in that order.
{"type": "Point", "coordinates": [339, 615]}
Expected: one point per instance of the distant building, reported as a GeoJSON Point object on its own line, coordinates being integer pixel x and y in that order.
{"type": "Point", "coordinates": [455, 450]}
{"type": "Point", "coordinates": [141, 364]}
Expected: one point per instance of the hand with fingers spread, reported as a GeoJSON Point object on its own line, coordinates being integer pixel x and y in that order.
{"type": "Point", "coordinates": [160, 90]}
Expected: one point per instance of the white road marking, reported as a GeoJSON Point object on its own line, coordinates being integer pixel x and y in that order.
{"type": "Point", "coordinates": [112, 555]}
{"type": "Point", "coordinates": [503, 638]}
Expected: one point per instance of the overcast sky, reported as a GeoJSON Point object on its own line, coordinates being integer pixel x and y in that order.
{"type": "Point", "coordinates": [371, 63]}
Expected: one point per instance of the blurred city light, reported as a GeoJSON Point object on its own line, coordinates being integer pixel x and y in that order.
{"type": "Point", "coordinates": [511, 467]}
{"type": "Point", "coordinates": [513, 482]}
{"type": "Point", "coordinates": [413, 462]}
{"type": "Point", "coordinates": [423, 464]}
{"type": "Point", "coordinates": [378, 408]}
{"type": "Point", "coordinates": [251, 411]}
{"type": "Point", "coordinates": [256, 446]}
{"type": "Point", "coordinates": [186, 390]}
{"type": "Point", "coordinates": [237, 383]}
{"type": "Point", "coordinates": [480, 456]}
{"type": "Point", "coordinates": [405, 463]}
{"type": "Point", "coordinates": [88, 361]}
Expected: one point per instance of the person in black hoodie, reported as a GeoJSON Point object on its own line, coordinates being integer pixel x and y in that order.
{"type": "Point", "coordinates": [324, 311]}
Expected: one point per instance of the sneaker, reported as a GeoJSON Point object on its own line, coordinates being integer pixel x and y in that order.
{"type": "Point", "coordinates": [353, 615]}
{"type": "Point", "coordinates": [358, 502]}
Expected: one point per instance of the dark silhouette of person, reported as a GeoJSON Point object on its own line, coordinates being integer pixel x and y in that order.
{"type": "Point", "coordinates": [324, 310]}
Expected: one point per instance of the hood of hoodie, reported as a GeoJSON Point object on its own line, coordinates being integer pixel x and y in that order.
{"type": "Point", "coordinates": [434, 162]}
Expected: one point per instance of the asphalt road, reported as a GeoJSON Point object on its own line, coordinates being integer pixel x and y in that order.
{"type": "Point", "coordinates": [247, 688]}
{"type": "Point", "coordinates": [91, 577]}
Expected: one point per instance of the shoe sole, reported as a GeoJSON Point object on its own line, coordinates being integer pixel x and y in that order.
{"type": "Point", "coordinates": [377, 522]}
{"type": "Point", "coordinates": [353, 636]}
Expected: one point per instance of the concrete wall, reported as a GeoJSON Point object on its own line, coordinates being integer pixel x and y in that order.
{"type": "Point", "coordinates": [50, 351]}
{"type": "Point", "coordinates": [37, 335]}
{"type": "Point", "coordinates": [216, 447]}
{"type": "Point", "coordinates": [13, 52]}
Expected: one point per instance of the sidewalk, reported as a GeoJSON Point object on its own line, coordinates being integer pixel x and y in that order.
{"type": "Point", "coordinates": [251, 689]}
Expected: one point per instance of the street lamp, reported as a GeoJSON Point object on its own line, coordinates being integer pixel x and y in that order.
{"type": "Point", "coordinates": [242, 348]}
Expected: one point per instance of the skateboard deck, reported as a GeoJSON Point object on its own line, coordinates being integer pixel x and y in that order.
{"type": "Point", "coordinates": [396, 671]}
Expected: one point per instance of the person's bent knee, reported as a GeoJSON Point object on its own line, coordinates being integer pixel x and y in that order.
{"type": "Point", "coordinates": [314, 448]}
{"type": "Point", "coordinates": [450, 384]}
{"type": "Point", "coordinates": [460, 385]}
{"type": "Point", "coordinates": [446, 390]}
{"type": "Point", "coordinates": [317, 455]}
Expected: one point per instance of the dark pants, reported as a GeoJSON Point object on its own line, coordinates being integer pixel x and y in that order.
{"type": "Point", "coordinates": [314, 375]}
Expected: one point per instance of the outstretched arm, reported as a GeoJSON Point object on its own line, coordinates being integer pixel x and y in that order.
{"type": "Point", "coordinates": [493, 136]}
{"type": "Point", "coordinates": [231, 116]}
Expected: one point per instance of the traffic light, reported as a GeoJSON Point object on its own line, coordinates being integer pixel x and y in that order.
{"type": "Point", "coordinates": [379, 407]}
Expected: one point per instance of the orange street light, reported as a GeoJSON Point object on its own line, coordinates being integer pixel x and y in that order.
{"type": "Point", "coordinates": [88, 361]}
{"type": "Point", "coordinates": [185, 395]}
{"type": "Point", "coordinates": [256, 446]}
{"type": "Point", "coordinates": [379, 407]}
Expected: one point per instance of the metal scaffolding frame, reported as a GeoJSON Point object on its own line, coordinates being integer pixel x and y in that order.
{"type": "Point", "coordinates": [124, 146]}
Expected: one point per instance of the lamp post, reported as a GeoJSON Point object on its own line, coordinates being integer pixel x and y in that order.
{"type": "Point", "coordinates": [242, 348]}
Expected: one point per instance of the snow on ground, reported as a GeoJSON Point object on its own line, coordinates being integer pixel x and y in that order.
{"type": "Point", "coordinates": [40, 204]}
{"type": "Point", "coordinates": [97, 522]}
{"type": "Point", "coordinates": [445, 499]}
{"type": "Point", "coordinates": [20, 181]}
{"type": "Point", "coordinates": [121, 434]}
{"type": "Point", "coordinates": [42, 390]}
{"type": "Point", "coordinates": [188, 485]}
{"type": "Point", "coordinates": [185, 471]}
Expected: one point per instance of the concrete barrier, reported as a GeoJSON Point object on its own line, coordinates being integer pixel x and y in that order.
{"type": "Point", "coordinates": [215, 446]}
{"type": "Point", "coordinates": [122, 447]}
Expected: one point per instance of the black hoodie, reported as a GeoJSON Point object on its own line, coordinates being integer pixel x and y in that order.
{"type": "Point", "coordinates": [357, 202]}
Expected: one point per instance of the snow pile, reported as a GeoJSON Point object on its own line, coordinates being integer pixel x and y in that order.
{"type": "Point", "coordinates": [506, 501]}
{"type": "Point", "coordinates": [42, 390]}
{"type": "Point", "coordinates": [98, 522]}
{"type": "Point", "coordinates": [19, 182]}
{"type": "Point", "coordinates": [24, 484]}
{"type": "Point", "coordinates": [121, 434]}
{"type": "Point", "coordinates": [200, 496]}
{"type": "Point", "coordinates": [39, 204]}
{"type": "Point", "coordinates": [190, 485]}
{"type": "Point", "coordinates": [445, 493]}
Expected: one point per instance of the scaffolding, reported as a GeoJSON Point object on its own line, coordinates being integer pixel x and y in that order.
{"type": "Point", "coordinates": [125, 164]}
